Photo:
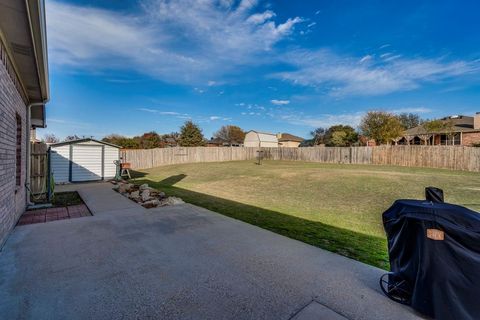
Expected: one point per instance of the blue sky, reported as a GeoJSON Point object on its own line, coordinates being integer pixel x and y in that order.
{"type": "Point", "coordinates": [128, 67]}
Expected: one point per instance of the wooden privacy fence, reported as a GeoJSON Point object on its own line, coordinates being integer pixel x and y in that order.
{"type": "Point", "coordinates": [38, 171]}
{"type": "Point", "coordinates": [149, 158]}
{"type": "Point", "coordinates": [447, 157]}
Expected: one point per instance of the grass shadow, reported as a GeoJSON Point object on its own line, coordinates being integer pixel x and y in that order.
{"type": "Point", "coordinates": [365, 248]}
{"type": "Point", "coordinates": [137, 174]}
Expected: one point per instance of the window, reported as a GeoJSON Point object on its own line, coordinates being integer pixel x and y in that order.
{"type": "Point", "coordinates": [450, 140]}
{"type": "Point", "coordinates": [18, 159]}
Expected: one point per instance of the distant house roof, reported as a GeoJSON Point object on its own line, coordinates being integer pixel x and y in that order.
{"type": "Point", "coordinates": [460, 123]}
{"type": "Point", "coordinates": [216, 141]}
{"type": "Point", "coordinates": [170, 140]}
{"type": "Point", "coordinates": [83, 140]}
{"type": "Point", "coordinates": [289, 137]}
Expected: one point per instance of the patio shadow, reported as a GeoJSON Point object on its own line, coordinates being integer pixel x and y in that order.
{"type": "Point", "coordinates": [362, 247]}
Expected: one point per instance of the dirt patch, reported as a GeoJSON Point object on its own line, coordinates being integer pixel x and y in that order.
{"type": "Point", "coordinates": [63, 199]}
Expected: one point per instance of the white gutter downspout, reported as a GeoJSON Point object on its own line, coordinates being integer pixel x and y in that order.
{"type": "Point", "coordinates": [27, 145]}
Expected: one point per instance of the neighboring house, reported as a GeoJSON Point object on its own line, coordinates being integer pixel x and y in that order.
{"type": "Point", "coordinates": [288, 140]}
{"type": "Point", "coordinates": [170, 142]}
{"type": "Point", "coordinates": [365, 141]}
{"type": "Point", "coordinates": [24, 91]}
{"type": "Point", "coordinates": [217, 142]}
{"type": "Point", "coordinates": [466, 132]}
{"type": "Point", "coordinates": [260, 139]}
{"type": "Point", "coordinates": [214, 142]}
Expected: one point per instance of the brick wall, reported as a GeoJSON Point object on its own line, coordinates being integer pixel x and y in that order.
{"type": "Point", "coordinates": [12, 197]}
{"type": "Point", "coordinates": [470, 138]}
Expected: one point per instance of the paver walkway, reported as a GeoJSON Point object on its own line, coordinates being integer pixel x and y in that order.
{"type": "Point", "coordinates": [180, 262]}
{"type": "Point", "coordinates": [53, 214]}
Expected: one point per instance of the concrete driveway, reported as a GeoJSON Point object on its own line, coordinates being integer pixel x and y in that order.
{"type": "Point", "coordinates": [180, 262]}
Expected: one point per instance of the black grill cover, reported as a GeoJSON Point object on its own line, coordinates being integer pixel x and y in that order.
{"type": "Point", "coordinates": [443, 275]}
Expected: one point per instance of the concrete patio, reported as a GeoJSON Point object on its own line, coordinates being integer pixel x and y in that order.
{"type": "Point", "coordinates": [180, 262]}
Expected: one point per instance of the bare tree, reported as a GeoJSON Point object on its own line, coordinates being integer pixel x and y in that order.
{"type": "Point", "coordinates": [72, 137]}
{"type": "Point", "coordinates": [50, 138]}
{"type": "Point", "coordinates": [318, 136]}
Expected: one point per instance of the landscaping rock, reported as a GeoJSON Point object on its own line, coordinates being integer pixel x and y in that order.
{"type": "Point", "coordinates": [151, 204]}
{"type": "Point", "coordinates": [171, 201]}
{"type": "Point", "coordinates": [135, 195]}
{"type": "Point", "coordinates": [175, 200]}
{"type": "Point", "coordinates": [144, 187]}
{"type": "Point", "coordinates": [125, 187]}
{"type": "Point", "coordinates": [145, 195]}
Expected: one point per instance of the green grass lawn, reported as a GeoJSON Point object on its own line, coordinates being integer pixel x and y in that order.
{"type": "Point", "coordinates": [335, 207]}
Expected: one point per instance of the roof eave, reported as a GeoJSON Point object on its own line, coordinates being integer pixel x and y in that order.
{"type": "Point", "coordinates": [38, 32]}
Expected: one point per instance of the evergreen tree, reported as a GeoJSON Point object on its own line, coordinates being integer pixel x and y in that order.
{"type": "Point", "coordinates": [191, 135]}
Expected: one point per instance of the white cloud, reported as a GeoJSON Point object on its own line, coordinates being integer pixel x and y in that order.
{"type": "Point", "coordinates": [181, 41]}
{"type": "Point", "coordinates": [170, 113]}
{"type": "Point", "coordinates": [79, 35]}
{"type": "Point", "coordinates": [70, 124]}
{"type": "Point", "coordinates": [412, 110]}
{"type": "Point", "coordinates": [167, 113]}
{"type": "Point", "coordinates": [346, 75]}
{"type": "Point", "coordinates": [366, 58]}
{"type": "Point", "coordinates": [185, 116]}
{"type": "Point", "coordinates": [260, 18]}
{"type": "Point", "coordinates": [148, 110]}
{"type": "Point", "coordinates": [280, 102]}
{"type": "Point", "coordinates": [321, 120]}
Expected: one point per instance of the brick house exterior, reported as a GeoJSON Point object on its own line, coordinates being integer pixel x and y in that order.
{"type": "Point", "coordinates": [471, 138]}
{"type": "Point", "coordinates": [12, 197]}
{"type": "Point", "coordinates": [465, 132]}
{"type": "Point", "coordinates": [23, 94]}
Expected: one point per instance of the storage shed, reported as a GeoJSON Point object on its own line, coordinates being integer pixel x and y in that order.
{"type": "Point", "coordinates": [260, 139]}
{"type": "Point", "coordinates": [83, 160]}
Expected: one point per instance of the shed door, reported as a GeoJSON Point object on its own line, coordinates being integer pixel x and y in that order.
{"type": "Point", "coordinates": [86, 162]}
